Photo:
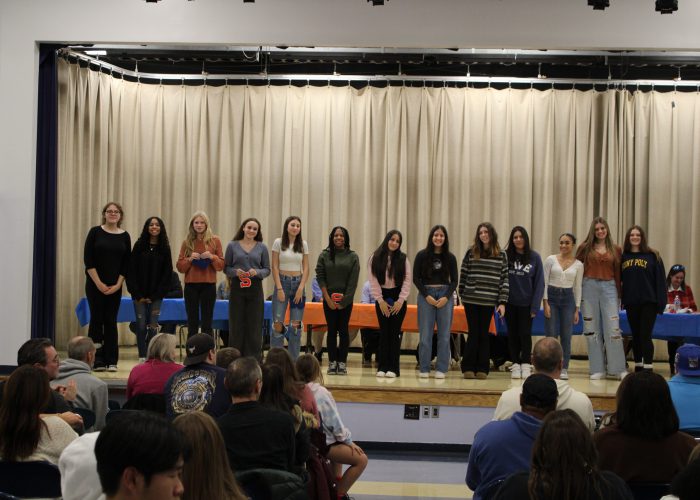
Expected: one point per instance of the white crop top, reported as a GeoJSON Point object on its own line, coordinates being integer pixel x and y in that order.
{"type": "Point", "coordinates": [289, 259]}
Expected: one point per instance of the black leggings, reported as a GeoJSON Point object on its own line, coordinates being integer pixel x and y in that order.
{"type": "Point", "coordinates": [337, 321]}
{"type": "Point", "coordinates": [103, 323]}
{"type": "Point", "coordinates": [641, 318]}
{"type": "Point", "coordinates": [196, 295]}
{"type": "Point", "coordinates": [246, 307]}
{"type": "Point", "coordinates": [519, 323]}
{"type": "Point", "coordinates": [476, 355]}
{"type": "Point", "coordinates": [390, 334]}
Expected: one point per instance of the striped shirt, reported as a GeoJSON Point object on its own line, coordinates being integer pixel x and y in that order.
{"type": "Point", "coordinates": [484, 281]}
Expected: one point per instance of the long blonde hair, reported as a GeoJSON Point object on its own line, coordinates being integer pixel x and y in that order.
{"type": "Point", "coordinates": [588, 244]}
{"type": "Point", "coordinates": [207, 474]}
{"type": "Point", "coordinates": [192, 235]}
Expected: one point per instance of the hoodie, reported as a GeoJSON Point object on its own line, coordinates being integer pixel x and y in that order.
{"type": "Point", "coordinates": [92, 392]}
{"type": "Point", "coordinates": [500, 448]}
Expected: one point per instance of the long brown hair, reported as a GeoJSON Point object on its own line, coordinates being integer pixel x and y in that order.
{"type": "Point", "coordinates": [207, 473]}
{"type": "Point", "coordinates": [293, 385]}
{"type": "Point", "coordinates": [298, 246]}
{"type": "Point", "coordinates": [192, 235]}
{"type": "Point", "coordinates": [564, 459]}
{"type": "Point", "coordinates": [588, 244]}
{"type": "Point", "coordinates": [643, 245]}
{"type": "Point", "coordinates": [478, 249]}
{"type": "Point", "coordinates": [309, 369]}
{"type": "Point", "coordinates": [25, 396]}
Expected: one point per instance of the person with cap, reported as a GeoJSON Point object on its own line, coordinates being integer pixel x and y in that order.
{"type": "Point", "coordinates": [200, 385]}
{"type": "Point", "coordinates": [547, 358]}
{"type": "Point", "coordinates": [685, 386]}
{"type": "Point", "coordinates": [503, 447]}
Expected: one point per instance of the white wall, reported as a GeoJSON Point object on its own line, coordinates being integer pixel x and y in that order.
{"type": "Point", "coordinates": [536, 24]}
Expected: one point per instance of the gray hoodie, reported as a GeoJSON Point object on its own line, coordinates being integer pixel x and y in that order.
{"type": "Point", "coordinates": [92, 392]}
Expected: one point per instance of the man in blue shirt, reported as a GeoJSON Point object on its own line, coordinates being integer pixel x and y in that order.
{"type": "Point", "coordinates": [503, 447]}
{"type": "Point", "coordinates": [685, 386]}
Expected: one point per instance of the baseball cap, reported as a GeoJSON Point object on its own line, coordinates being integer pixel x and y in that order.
{"type": "Point", "coordinates": [540, 391]}
{"type": "Point", "coordinates": [198, 347]}
{"type": "Point", "coordinates": [688, 360]}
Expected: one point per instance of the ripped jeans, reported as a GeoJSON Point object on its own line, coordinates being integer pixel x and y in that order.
{"type": "Point", "coordinates": [601, 326]}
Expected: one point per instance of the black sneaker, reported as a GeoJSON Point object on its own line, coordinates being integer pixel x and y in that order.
{"type": "Point", "coordinates": [342, 368]}
{"type": "Point", "coordinates": [319, 356]}
{"type": "Point", "coordinates": [332, 368]}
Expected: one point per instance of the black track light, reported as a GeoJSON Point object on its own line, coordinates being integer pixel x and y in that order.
{"type": "Point", "coordinates": [666, 6]}
{"type": "Point", "coordinates": [599, 4]}
{"type": "Point", "coordinates": [376, 2]}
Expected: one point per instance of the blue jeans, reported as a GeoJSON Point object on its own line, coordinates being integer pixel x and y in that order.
{"type": "Point", "coordinates": [601, 326]}
{"type": "Point", "coordinates": [146, 323]}
{"type": "Point", "coordinates": [427, 317]}
{"type": "Point", "coordinates": [290, 285]}
{"type": "Point", "coordinates": [561, 322]}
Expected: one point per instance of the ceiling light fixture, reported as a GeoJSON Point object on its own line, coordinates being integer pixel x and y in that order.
{"type": "Point", "coordinates": [666, 6]}
{"type": "Point", "coordinates": [377, 2]}
{"type": "Point", "coordinates": [599, 4]}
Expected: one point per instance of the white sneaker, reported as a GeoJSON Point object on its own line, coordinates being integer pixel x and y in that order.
{"type": "Point", "coordinates": [423, 375]}
{"type": "Point", "coordinates": [439, 375]}
{"type": "Point", "coordinates": [142, 360]}
{"type": "Point", "coordinates": [525, 370]}
{"type": "Point", "coordinates": [515, 371]}
{"type": "Point", "coordinates": [381, 374]}
{"type": "Point", "coordinates": [564, 374]}
{"type": "Point", "coordinates": [623, 375]}
{"type": "Point", "coordinates": [112, 368]}
{"type": "Point", "coordinates": [390, 374]}
{"type": "Point", "coordinates": [597, 376]}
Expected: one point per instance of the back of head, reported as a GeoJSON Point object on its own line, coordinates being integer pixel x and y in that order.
{"type": "Point", "coordinates": [539, 395]}
{"type": "Point", "coordinates": [281, 358]}
{"type": "Point", "coordinates": [162, 347]}
{"type": "Point", "coordinates": [547, 355]}
{"type": "Point", "coordinates": [309, 369]}
{"type": "Point", "coordinates": [564, 458]}
{"type": "Point", "coordinates": [79, 348]}
{"type": "Point", "coordinates": [644, 406]}
{"type": "Point", "coordinates": [688, 360]}
{"type": "Point", "coordinates": [33, 351]}
{"type": "Point", "coordinates": [242, 376]}
{"type": "Point", "coordinates": [207, 473]}
{"type": "Point", "coordinates": [273, 394]}
{"type": "Point", "coordinates": [226, 356]}
{"type": "Point", "coordinates": [143, 441]}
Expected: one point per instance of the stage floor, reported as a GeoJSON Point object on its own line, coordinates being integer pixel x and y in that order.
{"type": "Point", "coordinates": [362, 386]}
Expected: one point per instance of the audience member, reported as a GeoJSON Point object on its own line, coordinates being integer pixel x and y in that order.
{"type": "Point", "coordinates": [685, 386]}
{"type": "Point", "coordinates": [676, 287]}
{"type": "Point", "coordinates": [200, 385]}
{"type": "Point", "coordinates": [151, 376]}
{"type": "Point", "coordinates": [255, 437]}
{"type": "Point", "coordinates": [547, 358]}
{"type": "Point", "coordinates": [644, 425]}
{"type": "Point", "coordinates": [92, 392]}
{"type": "Point", "coordinates": [26, 434]}
{"type": "Point", "coordinates": [78, 467]}
{"type": "Point", "coordinates": [207, 474]}
{"type": "Point", "coordinates": [293, 385]}
{"type": "Point", "coordinates": [339, 446]}
{"type": "Point", "coordinates": [502, 448]}
{"type": "Point", "coordinates": [564, 466]}
{"type": "Point", "coordinates": [226, 356]}
{"type": "Point", "coordinates": [140, 455]}
{"type": "Point", "coordinates": [686, 484]}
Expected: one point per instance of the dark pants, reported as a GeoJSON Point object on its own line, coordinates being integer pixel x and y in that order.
{"type": "Point", "coordinates": [476, 355]}
{"type": "Point", "coordinates": [391, 335]}
{"type": "Point", "coordinates": [641, 318]}
{"type": "Point", "coordinates": [370, 343]}
{"type": "Point", "coordinates": [337, 321]}
{"type": "Point", "coordinates": [103, 323]}
{"type": "Point", "coordinates": [519, 324]}
{"type": "Point", "coordinates": [246, 307]}
{"type": "Point", "coordinates": [199, 295]}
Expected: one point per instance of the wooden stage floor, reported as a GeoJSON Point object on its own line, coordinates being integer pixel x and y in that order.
{"type": "Point", "coordinates": [361, 385]}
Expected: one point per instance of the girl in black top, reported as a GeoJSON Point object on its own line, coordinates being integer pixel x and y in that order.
{"type": "Point", "coordinates": [106, 256]}
{"type": "Point", "coordinates": [643, 293]}
{"type": "Point", "coordinates": [148, 281]}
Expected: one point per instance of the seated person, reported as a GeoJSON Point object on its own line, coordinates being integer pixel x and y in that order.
{"type": "Point", "coordinates": [92, 391]}
{"type": "Point", "coordinates": [503, 447]}
{"type": "Point", "coordinates": [78, 467]}
{"type": "Point", "coordinates": [226, 356]}
{"type": "Point", "coordinates": [151, 376]}
{"type": "Point", "coordinates": [256, 437]}
{"type": "Point", "coordinates": [199, 386]}
{"type": "Point", "coordinates": [140, 455]}
{"type": "Point", "coordinates": [676, 287]}
{"type": "Point", "coordinates": [685, 386]}
{"type": "Point", "coordinates": [547, 358]}
{"type": "Point", "coordinates": [25, 433]}
{"type": "Point", "coordinates": [644, 425]}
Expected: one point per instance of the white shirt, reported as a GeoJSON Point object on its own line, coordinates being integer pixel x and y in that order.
{"type": "Point", "coordinates": [290, 260]}
{"type": "Point", "coordinates": [557, 277]}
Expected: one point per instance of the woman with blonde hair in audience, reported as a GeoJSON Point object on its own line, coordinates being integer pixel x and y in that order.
{"type": "Point", "coordinates": [151, 376]}
{"type": "Point", "coordinates": [339, 446]}
{"type": "Point", "coordinates": [564, 466]}
{"type": "Point", "coordinates": [207, 473]}
{"type": "Point", "coordinates": [26, 434]}
{"type": "Point", "coordinates": [600, 304]}
{"type": "Point", "coordinates": [201, 257]}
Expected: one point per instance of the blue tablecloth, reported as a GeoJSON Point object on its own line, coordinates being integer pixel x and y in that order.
{"type": "Point", "coordinates": [172, 311]}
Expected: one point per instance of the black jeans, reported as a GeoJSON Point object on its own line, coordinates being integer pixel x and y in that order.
{"type": "Point", "coordinates": [103, 323]}
{"type": "Point", "coordinates": [337, 321]}
{"type": "Point", "coordinates": [519, 324]}
{"type": "Point", "coordinates": [199, 295]}
{"type": "Point", "coordinates": [370, 343]}
{"type": "Point", "coordinates": [641, 318]}
{"type": "Point", "coordinates": [390, 334]}
{"type": "Point", "coordinates": [476, 353]}
{"type": "Point", "coordinates": [246, 307]}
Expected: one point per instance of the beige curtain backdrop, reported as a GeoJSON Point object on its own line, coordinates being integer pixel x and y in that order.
{"type": "Point", "coordinates": [372, 160]}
